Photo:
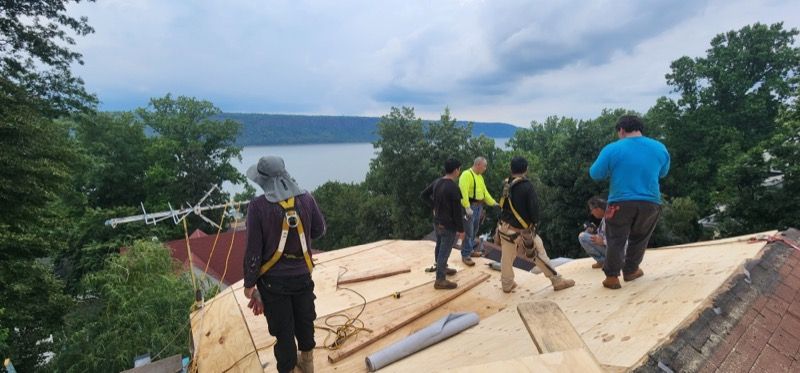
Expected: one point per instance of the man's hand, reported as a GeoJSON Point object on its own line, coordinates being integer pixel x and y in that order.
{"type": "Point", "coordinates": [597, 240]}
{"type": "Point", "coordinates": [469, 212]}
{"type": "Point", "coordinates": [256, 305]}
{"type": "Point", "coordinates": [248, 292]}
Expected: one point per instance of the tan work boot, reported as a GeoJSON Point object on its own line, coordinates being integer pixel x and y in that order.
{"type": "Point", "coordinates": [560, 283]}
{"type": "Point", "coordinates": [305, 362]}
{"type": "Point", "coordinates": [468, 261]}
{"type": "Point", "coordinates": [632, 276]}
{"type": "Point", "coordinates": [444, 285]}
{"type": "Point", "coordinates": [597, 265]}
{"type": "Point", "coordinates": [612, 282]}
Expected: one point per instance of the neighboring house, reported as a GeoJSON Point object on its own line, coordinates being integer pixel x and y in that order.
{"type": "Point", "coordinates": [201, 245]}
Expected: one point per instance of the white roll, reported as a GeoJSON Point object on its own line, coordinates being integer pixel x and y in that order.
{"type": "Point", "coordinates": [440, 330]}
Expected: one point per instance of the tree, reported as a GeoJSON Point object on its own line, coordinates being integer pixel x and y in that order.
{"type": "Point", "coordinates": [35, 171]}
{"type": "Point", "coordinates": [412, 154]}
{"type": "Point", "coordinates": [762, 185]}
{"type": "Point", "coordinates": [729, 102]}
{"type": "Point", "coordinates": [36, 35]}
{"type": "Point", "coordinates": [353, 215]}
{"type": "Point", "coordinates": [190, 153]}
{"type": "Point", "coordinates": [116, 149]}
{"type": "Point", "coordinates": [136, 304]}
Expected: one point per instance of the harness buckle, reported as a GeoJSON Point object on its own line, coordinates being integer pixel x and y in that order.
{"type": "Point", "coordinates": [292, 218]}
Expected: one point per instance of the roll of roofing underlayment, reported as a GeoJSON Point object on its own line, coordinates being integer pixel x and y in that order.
{"type": "Point", "coordinates": [442, 329]}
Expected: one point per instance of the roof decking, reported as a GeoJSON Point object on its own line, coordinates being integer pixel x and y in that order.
{"type": "Point", "coordinates": [620, 327]}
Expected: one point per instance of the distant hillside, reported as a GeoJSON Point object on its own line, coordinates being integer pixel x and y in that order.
{"type": "Point", "coordinates": [273, 129]}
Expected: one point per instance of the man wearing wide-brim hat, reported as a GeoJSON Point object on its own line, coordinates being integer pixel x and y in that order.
{"type": "Point", "coordinates": [281, 268]}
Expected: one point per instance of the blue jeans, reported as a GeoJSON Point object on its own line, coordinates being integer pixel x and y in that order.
{"type": "Point", "coordinates": [598, 252]}
{"type": "Point", "coordinates": [471, 226]}
{"type": "Point", "coordinates": [445, 239]}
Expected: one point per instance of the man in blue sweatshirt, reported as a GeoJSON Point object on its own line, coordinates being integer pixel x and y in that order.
{"type": "Point", "coordinates": [634, 164]}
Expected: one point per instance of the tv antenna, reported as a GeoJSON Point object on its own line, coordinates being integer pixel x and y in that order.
{"type": "Point", "coordinates": [178, 215]}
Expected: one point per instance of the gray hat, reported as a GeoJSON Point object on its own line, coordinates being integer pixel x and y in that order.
{"type": "Point", "coordinates": [270, 173]}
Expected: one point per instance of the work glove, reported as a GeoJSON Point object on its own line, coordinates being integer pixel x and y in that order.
{"type": "Point", "coordinates": [468, 210]}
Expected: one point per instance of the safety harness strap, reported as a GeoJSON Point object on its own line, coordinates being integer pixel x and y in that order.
{"type": "Point", "coordinates": [506, 197]}
{"type": "Point", "coordinates": [291, 219]}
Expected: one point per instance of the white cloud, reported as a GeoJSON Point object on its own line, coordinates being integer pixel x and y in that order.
{"type": "Point", "coordinates": [512, 61]}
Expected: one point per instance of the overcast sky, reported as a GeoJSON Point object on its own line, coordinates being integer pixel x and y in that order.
{"type": "Point", "coordinates": [498, 61]}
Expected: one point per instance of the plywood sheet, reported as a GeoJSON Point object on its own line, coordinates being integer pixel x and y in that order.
{"type": "Point", "coordinates": [222, 341]}
{"type": "Point", "coordinates": [621, 326]}
{"type": "Point", "coordinates": [570, 361]}
{"type": "Point", "coordinates": [618, 326]}
{"type": "Point", "coordinates": [389, 314]}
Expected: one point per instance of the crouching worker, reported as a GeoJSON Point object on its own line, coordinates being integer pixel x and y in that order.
{"type": "Point", "coordinates": [593, 237]}
{"type": "Point", "coordinates": [280, 226]}
{"type": "Point", "coordinates": [517, 228]}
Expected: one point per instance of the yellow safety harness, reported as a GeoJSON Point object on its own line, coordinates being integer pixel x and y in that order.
{"type": "Point", "coordinates": [506, 197]}
{"type": "Point", "coordinates": [291, 219]}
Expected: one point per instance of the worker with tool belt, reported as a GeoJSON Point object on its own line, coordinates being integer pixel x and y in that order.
{"type": "Point", "coordinates": [519, 216]}
{"type": "Point", "coordinates": [473, 196]}
{"type": "Point", "coordinates": [281, 224]}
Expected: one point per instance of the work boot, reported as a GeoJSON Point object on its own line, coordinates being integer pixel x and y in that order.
{"type": "Point", "coordinates": [597, 265]}
{"type": "Point", "coordinates": [632, 276]}
{"type": "Point", "coordinates": [560, 283]}
{"type": "Point", "coordinates": [306, 361]}
{"type": "Point", "coordinates": [513, 286]}
{"type": "Point", "coordinates": [612, 282]}
{"type": "Point", "coordinates": [444, 284]}
{"type": "Point", "coordinates": [448, 271]}
{"type": "Point", "coordinates": [468, 261]}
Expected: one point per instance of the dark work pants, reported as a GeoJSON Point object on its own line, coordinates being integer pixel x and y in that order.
{"type": "Point", "coordinates": [445, 239]}
{"type": "Point", "coordinates": [632, 222]}
{"type": "Point", "coordinates": [289, 308]}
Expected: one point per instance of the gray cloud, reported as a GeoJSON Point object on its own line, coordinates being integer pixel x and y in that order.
{"type": "Point", "coordinates": [512, 61]}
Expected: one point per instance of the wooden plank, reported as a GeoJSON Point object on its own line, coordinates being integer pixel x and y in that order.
{"type": "Point", "coordinates": [569, 361]}
{"type": "Point", "coordinates": [549, 328]}
{"type": "Point", "coordinates": [402, 316]}
{"type": "Point", "coordinates": [349, 278]}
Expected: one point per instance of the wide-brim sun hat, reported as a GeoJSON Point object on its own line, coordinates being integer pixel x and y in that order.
{"type": "Point", "coordinates": [271, 175]}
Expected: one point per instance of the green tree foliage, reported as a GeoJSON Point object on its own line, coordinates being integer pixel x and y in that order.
{"type": "Point", "coordinates": [412, 154]}
{"type": "Point", "coordinates": [135, 305]}
{"type": "Point", "coordinates": [116, 149]}
{"type": "Point", "coordinates": [35, 54]}
{"type": "Point", "coordinates": [91, 242]}
{"type": "Point", "coordinates": [678, 223]}
{"type": "Point", "coordinates": [35, 168]}
{"type": "Point", "coordinates": [191, 151]}
{"type": "Point", "coordinates": [34, 304]}
{"type": "Point", "coordinates": [729, 103]}
{"type": "Point", "coordinates": [353, 215]}
{"type": "Point", "coordinates": [763, 184]}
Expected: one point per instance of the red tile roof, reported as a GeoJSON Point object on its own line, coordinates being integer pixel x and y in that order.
{"type": "Point", "coordinates": [201, 247]}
